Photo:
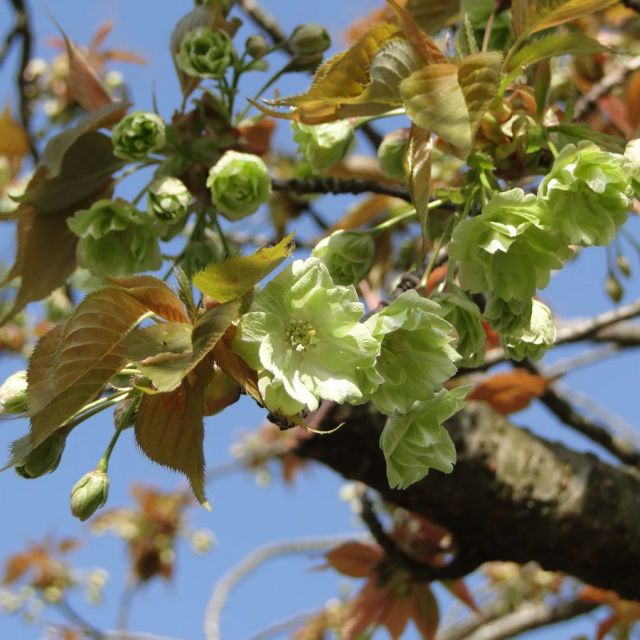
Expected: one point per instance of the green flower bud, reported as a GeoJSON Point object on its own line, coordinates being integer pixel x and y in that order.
{"type": "Point", "coordinates": [391, 153]}
{"type": "Point", "coordinates": [416, 355]}
{"type": "Point", "coordinates": [256, 46]}
{"type": "Point", "coordinates": [613, 288]}
{"type": "Point", "coordinates": [14, 397]}
{"type": "Point", "coordinates": [323, 145]}
{"type": "Point", "coordinates": [115, 239]}
{"type": "Point", "coordinates": [509, 249]}
{"type": "Point", "coordinates": [464, 315]}
{"type": "Point", "coordinates": [44, 459]}
{"type": "Point", "coordinates": [309, 40]}
{"type": "Point", "coordinates": [89, 494]}
{"type": "Point", "coordinates": [534, 339]}
{"type": "Point", "coordinates": [168, 199]}
{"type": "Point", "coordinates": [624, 265]}
{"type": "Point", "coordinates": [239, 184]}
{"type": "Point", "coordinates": [588, 192]}
{"type": "Point", "coordinates": [205, 53]}
{"type": "Point", "coordinates": [137, 135]}
{"type": "Point", "coordinates": [347, 254]}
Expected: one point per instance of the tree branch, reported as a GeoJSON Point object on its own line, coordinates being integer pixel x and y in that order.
{"type": "Point", "coordinates": [338, 186]}
{"type": "Point", "coordinates": [530, 616]}
{"type": "Point", "coordinates": [508, 486]}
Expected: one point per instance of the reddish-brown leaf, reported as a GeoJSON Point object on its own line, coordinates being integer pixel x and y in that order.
{"type": "Point", "coordinates": [397, 615]}
{"type": "Point", "coordinates": [84, 84]}
{"type": "Point", "coordinates": [460, 590]}
{"type": "Point", "coordinates": [366, 610]}
{"type": "Point", "coordinates": [633, 99]}
{"type": "Point", "coordinates": [170, 428]}
{"type": "Point", "coordinates": [426, 614]}
{"type": "Point", "coordinates": [354, 559]}
{"type": "Point", "coordinates": [155, 294]}
{"type": "Point", "coordinates": [510, 391]}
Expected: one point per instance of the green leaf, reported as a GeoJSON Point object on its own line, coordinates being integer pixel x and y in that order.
{"type": "Point", "coordinates": [418, 160]}
{"type": "Point", "coordinates": [71, 364]}
{"type": "Point", "coordinates": [434, 101]}
{"type": "Point", "coordinates": [231, 279]}
{"type": "Point", "coordinates": [170, 428]}
{"type": "Point", "coordinates": [560, 44]}
{"type": "Point", "coordinates": [167, 352]}
{"type": "Point", "coordinates": [530, 16]}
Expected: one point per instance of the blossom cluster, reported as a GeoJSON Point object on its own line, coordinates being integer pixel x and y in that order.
{"type": "Point", "coordinates": [510, 249]}
{"type": "Point", "coordinates": [307, 339]}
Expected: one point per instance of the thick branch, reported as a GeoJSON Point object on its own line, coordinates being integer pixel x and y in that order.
{"type": "Point", "coordinates": [337, 185]}
{"type": "Point", "coordinates": [512, 496]}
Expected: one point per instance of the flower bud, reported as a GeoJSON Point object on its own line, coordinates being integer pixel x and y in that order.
{"type": "Point", "coordinates": [168, 199]}
{"type": "Point", "coordinates": [323, 145]}
{"type": "Point", "coordinates": [239, 184]}
{"type": "Point", "coordinates": [256, 46]}
{"type": "Point", "coordinates": [613, 288]}
{"type": "Point", "coordinates": [44, 459]}
{"type": "Point", "coordinates": [89, 494]}
{"type": "Point", "coordinates": [624, 265]}
{"type": "Point", "coordinates": [205, 53]}
{"type": "Point", "coordinates": [348, 256]}
{"type": "Point", "coordinates": [137, 135]}
{"type": "Point", "coordinates": [535, 338]}
{"type": "Point", "coordinates": [391, 153]}
{"type": "Point", "coordinates": [309, 40]}
{"type": "Point", "coordinates": [13, 394]}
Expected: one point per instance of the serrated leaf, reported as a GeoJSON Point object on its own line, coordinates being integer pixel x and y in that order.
{"type": "Point", "coordinates": [168, 352]}
{"type": "Point", "coordinates": [479, 78]}
{"type": "Point", "coordinates": [84, 84]}
{"type": "Point", "coordinates": [155, 294]}
{"type": "Point", "coordinates": [530, 16]}
{"type": "Point", "coordinates": [423, 43]}
{"type": "Point", "coordinates": [346, 75]}
{"type": "Point", "coordinates": [170, 428]}
{"type": "Point", "coordinates": [558, 44]}
{"type": "Point", "coordinates": [435, 102]}
{"type": "Point", "coordinates": [72, 364]}
{"type": "Point", "coordinates": [232, 278]}
{"type": "Point", "coordinates": [418, 160]}
{"type": "Point", "coordinates": [432, 15]}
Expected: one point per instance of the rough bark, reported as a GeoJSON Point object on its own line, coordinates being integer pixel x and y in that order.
{"type": "Point", "coordinates": [512, 496]}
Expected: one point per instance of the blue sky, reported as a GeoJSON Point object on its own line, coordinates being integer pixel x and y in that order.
{"type": "Point", "coordinates": [244, 516]}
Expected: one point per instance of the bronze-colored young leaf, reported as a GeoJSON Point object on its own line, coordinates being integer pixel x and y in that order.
{"type": "Point", "coordinates": [231, 279]}
{"type": "Point", "coordinates": [346, 75]}
{"type": "Point", "coordinates": [418, 161]}
{"type": "Point", "coordinates": [530, 16]}
{"type": "Point", "coordinates": [434, 101]}
{"type": "Point", "coordinates": [424, 44]}
{"type": "Point", "coordinates": [70, 366]}
{"type": "Point", "coordinates": [155, 294]}
{"type": "Point", "coordinates": [84, 84]}
{"type": "Point", "coordinates": [432, 15]}
{"type": "Point", "coordinates": [14, 144]}
{"type": "Point", "coordinates": [479, 78]}
{"type": "Point", "coordinates": [426, 613]}
{"type": "Point", "coordinates": [170, 428]}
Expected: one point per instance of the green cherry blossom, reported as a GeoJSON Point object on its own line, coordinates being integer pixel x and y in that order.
{"type": "Point", "coordinates": [304, 337]}
{"type": "Point", "coordinates": [416, 441]}
{"type": "Point", "coordinates": [137, 135]}
{"type": "Point", "coordinates": [588, 192]}
{"type": "Point", "coordinates": [532, 340]}
{"type": "Point", "coordinates": [323, 145]}
{"type": "Point", "coordinates": [347, 254]}
{"type": "Point", "coordinates": [416, 355]}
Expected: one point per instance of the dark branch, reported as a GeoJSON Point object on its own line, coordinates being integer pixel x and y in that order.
{"type": "Point", "coordinates": [632, 4]}
{"type": "Point", "coordinates": [338, 186]}
{"type": "Point", "coordinates": [508, 486]}
{"type": "Point", "coordinates": [263, 20]}
{"type": "Point", "coordinates": [562, 408]}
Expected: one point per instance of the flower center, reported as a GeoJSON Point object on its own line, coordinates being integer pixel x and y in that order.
{"type": "Point", "coordinates": [301, 335]}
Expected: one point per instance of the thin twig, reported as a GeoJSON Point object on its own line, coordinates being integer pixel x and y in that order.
{"type": "Point", "coordinates": [250, 563]}
{"type": "Point", "coordinates": [338, 186]}
{"type": "Point", "coordinates": [75, 618]}
{"type": "Point", "coordinates": [562, 408]}
{"type": "Point", "coordinates": [263, 20]}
